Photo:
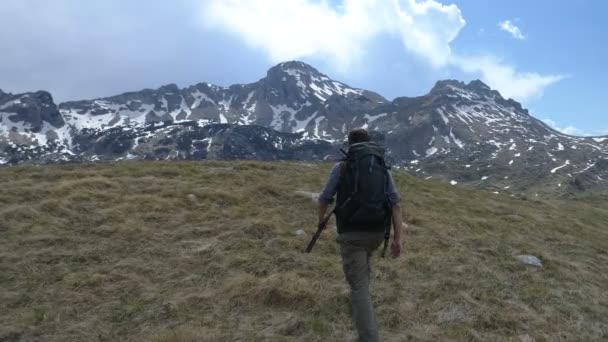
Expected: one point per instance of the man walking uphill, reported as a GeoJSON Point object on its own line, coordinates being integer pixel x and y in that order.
{"type": "Point", "coordinates": [366, 204]}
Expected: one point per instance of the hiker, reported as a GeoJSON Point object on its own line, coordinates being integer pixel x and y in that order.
{"type": "Point", "coordinates": [366, 203]}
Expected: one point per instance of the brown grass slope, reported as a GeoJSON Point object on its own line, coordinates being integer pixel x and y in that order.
{"type": "Point", "coordinates": [207, 251]}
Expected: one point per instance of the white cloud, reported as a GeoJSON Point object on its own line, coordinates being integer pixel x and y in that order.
{"type": "Point", "coordinates": [509, 27]}
{"type": "Point", "coordinates": [85, 49]}
{"type": "Point", "coordinates": [312, 28]}
{"type": "Point", "coordinates": [511, 83]}
{"type": "Point", "coordinates": [428, 27]}
{"type": "Point", "coordinates": [570, 130]}
{"type": "Point", "coordinates": [81, 49]}
{"type": "Point", "coordinates": [303, 28]}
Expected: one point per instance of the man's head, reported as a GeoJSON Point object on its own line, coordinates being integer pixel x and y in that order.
{"type": "Point", "coordinates": [357, 135]}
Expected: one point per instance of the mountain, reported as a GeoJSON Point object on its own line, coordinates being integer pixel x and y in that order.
{"type": "Point", "coordinates": [461, 133]}
{"type": "Point", "coordinates": [293, 97]}
{"type": "Point", "coordinates": [468, 133]}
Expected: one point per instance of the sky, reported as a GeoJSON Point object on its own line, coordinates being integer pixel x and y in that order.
{"type": "Point", "coordinates": [548, 55]}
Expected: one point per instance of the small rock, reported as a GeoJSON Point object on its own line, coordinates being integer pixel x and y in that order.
{"type": "Point", "coordinates": [530, 260]}
{"type": "Point", "coordinates": [203, 247]}
{"type": "Point", "coordinates": [192, 198]}
{"type": "Point", "coordinates": [453, 314]}
{"type": "Point", "coordinates": [300, 232]}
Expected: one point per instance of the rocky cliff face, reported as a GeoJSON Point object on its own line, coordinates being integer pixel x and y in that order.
{"type": "Point", "coordinates": [462, 133]}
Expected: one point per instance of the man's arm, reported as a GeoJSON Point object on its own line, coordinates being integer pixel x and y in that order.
{"type": "Point", "coordinates": [395, 200]}
{"type": "Point", "coordinates": [396, 218]}
{"type": "Point", "coordinates": [329, 191]}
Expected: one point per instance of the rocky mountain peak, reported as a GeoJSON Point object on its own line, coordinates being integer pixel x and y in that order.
{"type": "Point", "coordinates": [475, 90]}
{"type": "Point", "coordinates": [300, 82]}
{"type": "Point", "coordinates": [169, 88]}
{"type": "Point", "coordinates": [454, 86]}
{"type": "Point", "coordinates": [44, 98]}
{"type": "Point", "coordinates": [478, 85]}
{"type": "Point", "coordinates": [294, 65]}
{"type": "Point", "coordinates": [301, 72]}
{"type": "Point", "coordinates": [443, 85]}
{"type": "Point", "coordinates": [31, 110]}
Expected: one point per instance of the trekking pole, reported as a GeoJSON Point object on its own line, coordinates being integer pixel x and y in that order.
{"type": "Point", "coordinates": [386, 237]}
{"type": "Point", "coordinates": [322, 225]}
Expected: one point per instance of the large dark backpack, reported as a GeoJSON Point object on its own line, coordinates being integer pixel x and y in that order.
{"type": "Point", "coordinates": [362, 203]}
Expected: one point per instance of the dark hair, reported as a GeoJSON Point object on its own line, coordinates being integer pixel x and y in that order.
{"type": "Point", "coordinates": [357, 135]}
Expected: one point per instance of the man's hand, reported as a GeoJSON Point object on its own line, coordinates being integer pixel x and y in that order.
{"type": "Point", "coordinates": [396, 244]}
{"type": "Point", "coordinates": [322, 211]}
{"type": "Point", "coordinates": [396, 248]}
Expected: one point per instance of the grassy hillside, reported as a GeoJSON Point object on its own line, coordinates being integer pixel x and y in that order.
{"type": "Point", "coordinates": [208, 251]}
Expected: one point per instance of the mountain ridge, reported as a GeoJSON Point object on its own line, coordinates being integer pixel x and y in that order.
{"type": "Point", "coordinates": [463, 133]}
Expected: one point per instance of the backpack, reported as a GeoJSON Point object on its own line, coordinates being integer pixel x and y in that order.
{"type": "Point", "coordinates": [362, 203]}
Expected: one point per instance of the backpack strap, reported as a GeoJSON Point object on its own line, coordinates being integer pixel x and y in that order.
{"type": "Point", "coordinates": [344, 165]}
{"type": "Point", "coordinates": [343, 178]}
{"type": "Point", "coordinates": [342, 169]}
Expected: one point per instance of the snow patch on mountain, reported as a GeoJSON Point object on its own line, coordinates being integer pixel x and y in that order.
{"type": "Point", "coordinates": [456, 141]}
{"type": "Point", "coordinates": [200, 97]}
{"type": "Point", "coordinates": [279, 112]}
{"type": "Point", "coordinates": [371, 119]}
{"type": "Point", "coordinates": [316, 131]}
{"type": "Point", "coordinates": [445, 119]}
{"type": "Point", "coordinates": [560, 167]}
{"type": "Point", "coordinates": [302, 124]}
{"type": "Point", "coordinates": [225, 104]}
{"type": "Point", "coordinates": [589, 165]}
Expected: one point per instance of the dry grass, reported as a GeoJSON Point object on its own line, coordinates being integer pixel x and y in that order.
{"type": "Point", "coordinates": [207, 251]}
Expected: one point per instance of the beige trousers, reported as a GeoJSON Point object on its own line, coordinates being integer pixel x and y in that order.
{"type": "Point", "coordinates": [356, 255]}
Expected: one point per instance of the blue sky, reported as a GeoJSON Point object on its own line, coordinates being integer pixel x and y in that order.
{"type": "Point", "coordinates": [564, 37]}
{"type": "Point", "coordinates": [547, 54]}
